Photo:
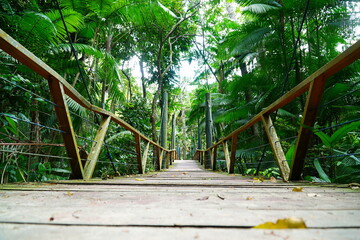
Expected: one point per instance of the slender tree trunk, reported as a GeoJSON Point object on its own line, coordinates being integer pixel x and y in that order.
{"type": "Point", "coordinates": [143, 83]}
{"type": "Point", "coordinates": [104, 80]}
{"type": "Point", "coordinates": [208, 129]}
{"type": "Point", "coordinates": [164, 121]}
{"type": "Point", "coordinates": [173, 131]}
{"type": "Point", "coordinates": [184, 148]}
{"type": "Point", "coordinates": [199, 145]}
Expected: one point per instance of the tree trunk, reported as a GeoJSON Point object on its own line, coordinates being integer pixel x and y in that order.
{"type": "Point", "coordinates": [143, 83]}
{"type": "Point", "coordinates": [199, 145]}
{"type": "Point", "coordinates": [183, 120]}
{"type": "Point", "coordinates": [104, 80]}
{"type": "Point", "coordinates": [164, 121]}
{"type": "Point", "coordinates": [173, 131]}
{"type": "Point", "coordinates": [208, 129]}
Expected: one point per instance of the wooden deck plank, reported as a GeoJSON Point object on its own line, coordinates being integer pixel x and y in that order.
{"type": "Point", "coordinates": [46, 232]}
{"type": "Point", "coordinates": [181, 201]}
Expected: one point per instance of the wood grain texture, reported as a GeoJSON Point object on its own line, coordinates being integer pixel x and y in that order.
{"type": "Point", "coordinates": [276, 147]}
{"type": "Point", "coordinates": [213, 205]}
{"type": "Point", "coordinates": [96, 148]}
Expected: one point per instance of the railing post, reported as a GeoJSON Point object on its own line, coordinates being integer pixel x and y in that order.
{"type": "Point", "coordinates": [65, 125]}
{"type": "Point", "coordinates": [233, 153]}
{"type": "Point", "coordinates": [158, 158]}
{"type": "Point", "coordinates": [276, 147]}
{"type": "Point", "coordinates": [96, 147]}
{"type": "Point", "coordinates": [138, 152]}
{"type": "Point", "coordinates": [144, 157]}
{"type": "Point", "coordinates": [226, 155]}
{"type": "Point", "coordinates": [214, 156]}
{"type": "Point", "coordinates": [161, 155]}
{"type": "Point", "coordinates": [167, 155]}
{"type": "Point", "coordinates": [309, 116]}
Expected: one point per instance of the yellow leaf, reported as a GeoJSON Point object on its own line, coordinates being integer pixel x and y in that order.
{"type": "Point", "coordinates": [258, 180]}
{"type": "Point", "coordinates": [249, 198]}
{"type": "Point", "coordinates": [69, 194]}
{"type": "Point", "coordinates": [297, 189]}
{"type": "Point", "coordinates": [284, 223]}
{"type": "Point", "coordinates": [139, 179]}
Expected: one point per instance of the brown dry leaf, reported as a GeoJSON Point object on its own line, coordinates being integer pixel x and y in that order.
{"type": "Point", "coordinates": [297, 189]}
{"type": "Point", "coordinates": [221, 197]}
{"type": "Point", "coordinates": [139, 179]}
{"type": "Point", "coordinates": [203, 198]}
{"type": "Point", "coordinates": [249, 198]}
{"type": "Point", "coordinates": [284, 223]}
{"type": "Point", "coordinates": [272, 179]}
{"type": "Point", "coordinates": [184, 173]}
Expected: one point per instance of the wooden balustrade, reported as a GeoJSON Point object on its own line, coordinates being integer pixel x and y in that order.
{"type": "Point", "coordinates": [59, 87]}
{"type": "Point", "coordinates": [314, 85]}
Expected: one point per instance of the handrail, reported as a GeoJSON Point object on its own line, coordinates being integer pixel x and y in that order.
{"type": "Point", "coordinates": [315, 84]}
{"type": "Point", "coordinates": [58, 87]}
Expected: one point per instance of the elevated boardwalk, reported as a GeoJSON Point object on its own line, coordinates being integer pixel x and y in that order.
{"type": "Point", "coordinates": [183, 202]}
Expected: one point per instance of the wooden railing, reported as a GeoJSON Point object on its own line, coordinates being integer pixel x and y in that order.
{"type": "Point", "coordinates": [314, 85]}
{"type": "Point", "coordinates": [59, 87]}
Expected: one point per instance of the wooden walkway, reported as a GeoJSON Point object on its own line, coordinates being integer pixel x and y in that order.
{"type": "Point", "coordinates": [183, 202]}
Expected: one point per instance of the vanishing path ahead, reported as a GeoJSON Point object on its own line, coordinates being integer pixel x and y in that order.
{"type": "Point", "coordinates": [183, 202]}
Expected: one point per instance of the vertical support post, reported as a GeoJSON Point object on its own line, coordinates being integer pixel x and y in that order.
{"type": "Point", "coordinates": [138, 152]}
{"type": "Point", "coordinates": [158, 158]}
{"type": "Point", "coordinates": [276, 147]}
{"type": "Point", "coordinates": [214, 156]}
{"type": "Point", "coordinates": [309, 117]}
{"type": "Point", "coordinates": [233, 153]}
{"type": "Point", "coordinates": [65, 125]}
{"type": "Point", "coordinates": [164, 121]}
{"type": "Point", "coordinates": [167, 161]}
{"type": "Point", "coordinates": [144, 157]}
{"type": "Point", "coordinates": [227, 156]}
{"type": "Point", "coordinates": [96, 148]}
{"type": "Point", "coordinates": [208, 129]}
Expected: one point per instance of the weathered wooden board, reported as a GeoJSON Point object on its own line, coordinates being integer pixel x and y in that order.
{"type": "Point", "coordinates": [46, 232]}
{"type": "Point", "coordinates": [184, 201]}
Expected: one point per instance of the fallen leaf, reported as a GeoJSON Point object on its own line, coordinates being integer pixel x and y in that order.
{"type": "Point", "coordinates": [69, 193]}
{"type": "Point", "coordinates": [258, 180]}
{"type": "Point", "coordinates": [184, 173]}
{"type": "Point", "coordinates": [272, 179]}
{"type": "Point", "coordinates": [297, 189]}
{"type": "Point", "coordinates": [284, 223]}
{"type": "Point", "coordinates": [203, 198]}
{"type": "Point", "coordinates": [221, 197]}
{"type": "Point", "coordinates": [139, 179]}
{"type": "Point", "coordinates": [249, 198]}
{"type": "Point", "coordinates": [51, 219]}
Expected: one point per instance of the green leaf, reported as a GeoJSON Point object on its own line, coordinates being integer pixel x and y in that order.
{"type": "Point", "coordinates": [41, 168]}
{"type": "Point", "coordinates": [326, 140]}
{"type": "Point", "coordinates": [290, 154]}
{"type": "Point", "coordinates": [343, 131]}
{"type": "Point", "coordinates": [321, 172]}
{"type": "Point", "coordinates": [59, 170]}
